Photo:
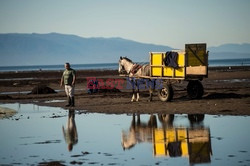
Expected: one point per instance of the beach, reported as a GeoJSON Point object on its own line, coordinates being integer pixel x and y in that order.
{"type": "Point", "coordinates": [226, 92]}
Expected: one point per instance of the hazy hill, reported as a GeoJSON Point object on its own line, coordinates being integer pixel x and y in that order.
{"type": "Point", "coordinates": [54, 48]}
{"type": "Point", "coordinates": [239, 48]}
{"type": "Point", "coordinates": [230, 51]}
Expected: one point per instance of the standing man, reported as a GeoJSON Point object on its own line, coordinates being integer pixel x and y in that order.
{"type": "Point", "coordinates": [69, 78]}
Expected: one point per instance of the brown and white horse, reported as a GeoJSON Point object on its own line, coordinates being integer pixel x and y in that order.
{"type": "Point", "coordinates": [134, 70]}
{"type": "Point", "coordinates": [143, 131]}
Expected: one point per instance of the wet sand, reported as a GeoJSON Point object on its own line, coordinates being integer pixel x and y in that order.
{"type": "Point", "coordinates": [227, 92]}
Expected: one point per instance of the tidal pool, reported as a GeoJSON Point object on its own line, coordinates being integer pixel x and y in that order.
{"type": "Point", "coordinates": [44, 135]}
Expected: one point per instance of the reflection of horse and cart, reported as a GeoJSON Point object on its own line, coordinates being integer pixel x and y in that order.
{"type": "Point", "coordinates": [166, 68]}
{"type": "Point", "coordinates": [169, 140]}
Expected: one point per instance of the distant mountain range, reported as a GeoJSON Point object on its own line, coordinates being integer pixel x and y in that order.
{"type": "Point", "coordinates": [54, 48]}
{"type": "Point", "coordinates": [230, 51]}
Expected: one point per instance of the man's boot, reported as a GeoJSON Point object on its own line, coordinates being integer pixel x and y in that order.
{"type": "Point", "coordinates": [69, 102]}
{"type": "Point", "coordinates": [73, 101]}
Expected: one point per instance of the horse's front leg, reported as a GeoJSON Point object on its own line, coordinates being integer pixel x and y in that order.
{"type": "Point", "coordinates": [133, 91]}
{"type": "Point", "coordinates": [138, 95]}
{"type": "Point", "coordinates": [133, 96]}
{"type": "Point", "coordinates": [137, 85]}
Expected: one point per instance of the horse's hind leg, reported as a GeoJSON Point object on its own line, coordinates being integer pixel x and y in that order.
{"type": "Point", "coordinates": [137, 95]}
{"type": "Point", "coordinates": [151, 90]}
{"type": "Point", "coordinates": [150, 95]}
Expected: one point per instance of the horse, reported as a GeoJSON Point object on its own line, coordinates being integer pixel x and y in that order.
{"type": "Point", "coordinates": [142, 131]}
{"type": "Point", "coordinates": [138, 132]}
{"type": "Point", "coordinates": [134, 70]}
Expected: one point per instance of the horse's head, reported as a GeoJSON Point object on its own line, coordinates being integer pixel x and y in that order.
{"type": "Point", "coordinates": [122, 64]}
{"type": "Point", "coordinates": [128, 140]}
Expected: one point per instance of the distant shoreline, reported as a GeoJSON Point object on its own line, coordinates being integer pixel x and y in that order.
{"type": "Point", "coordinates": [229, 67]}
{"type": "Point", "coordinates": [114, 66]}
{"type": "Point", "coordinates": [102, 70]}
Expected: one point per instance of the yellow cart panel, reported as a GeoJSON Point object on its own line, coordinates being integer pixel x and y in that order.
{"type": "Point", "coordinates": [159, 143]}
{"type": "Point", "coordinates": [193, 62]}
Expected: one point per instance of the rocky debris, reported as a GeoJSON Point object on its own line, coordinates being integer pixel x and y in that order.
{"type": "Point", "coordinates": [42, 89]}
{"type": "Point", "coordinates": [5, 97]}
{"type": "Point", "coordinates": [113, 90]}
{"type": "Point", "coordinates": [52, 163]}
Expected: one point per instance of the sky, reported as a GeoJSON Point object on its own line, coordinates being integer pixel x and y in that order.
{"type": "Point", "coordinates": [165, 22]}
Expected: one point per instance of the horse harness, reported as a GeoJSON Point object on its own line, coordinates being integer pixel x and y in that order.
{"type": "Point", "coordinates": [135, 68]}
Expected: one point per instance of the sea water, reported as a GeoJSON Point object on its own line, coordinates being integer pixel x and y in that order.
{"type": "Point", "coordinates": [114, 66]}
{"type": "Point", "coordinates": [35, 135]}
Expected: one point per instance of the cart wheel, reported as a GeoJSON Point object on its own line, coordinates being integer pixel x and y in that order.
{"type": "Point", "coordinates": [166, 93]}
{"type": "Point", "coordinates": [195, 89]}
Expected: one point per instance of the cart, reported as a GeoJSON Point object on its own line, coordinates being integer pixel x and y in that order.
{"type": "Point", "coordinates": [192, 66]}
{"type": "Point", "coordinates": [193, 143]}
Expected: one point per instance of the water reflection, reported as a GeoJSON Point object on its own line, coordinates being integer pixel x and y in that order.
{"type": "Point", "coordinates": [185, 137]}
{"type": "Point", "coordinates": [168, 140]}
{"type": "Point", "coordinates": [70, 131]}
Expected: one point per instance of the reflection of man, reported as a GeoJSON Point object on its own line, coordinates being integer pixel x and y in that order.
{"type": "Point", "coordinates": [69, 78]}
{"type": "Point", "coordinates": [70, 133]}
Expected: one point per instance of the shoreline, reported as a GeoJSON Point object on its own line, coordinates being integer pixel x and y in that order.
{"type": "Point", "coordinates": [239, 67]}
{"type": "Point", "coordinates": [227, 92]}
